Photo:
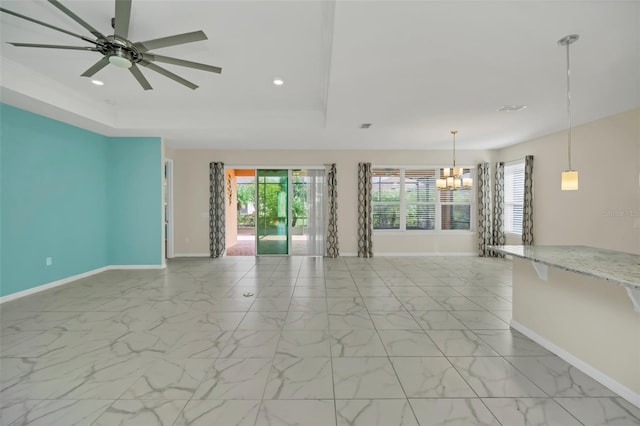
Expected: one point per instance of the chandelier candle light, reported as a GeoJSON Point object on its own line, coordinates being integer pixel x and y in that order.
{"type": "Point", "coordinates": [452, 178]}
{"type": "Point", "coordinates": [570, 176]}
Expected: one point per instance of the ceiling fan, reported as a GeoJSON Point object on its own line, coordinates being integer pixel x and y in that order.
{"type": "Point", "coordinates": [119, 51]}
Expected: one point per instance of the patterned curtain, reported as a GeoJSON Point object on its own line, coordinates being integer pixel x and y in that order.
{"type": "Point", "coordinates": [498, 207]}
{"type": "Point", "coordinates": [527, 211]}
{"type": "Point", "coordinates": [332, 212]}
{"type": "Point", "coordinates": [365, 214]}
{"type": "Point", "coordinates": [216, 209]}
{"type": "Point", "coordinates": [485, 236]}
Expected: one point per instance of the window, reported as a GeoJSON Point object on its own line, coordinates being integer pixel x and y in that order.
{"type": "Point", "coordinates": [420, 199]}
{"type": "Point", "coordinates": [455, 209]}
{"type": "Point", "coordinates": [513, 197]}
{"type": "Point", "coordinates": [386, 198]}
{"type": "Point", "coordinates": [407, 200]}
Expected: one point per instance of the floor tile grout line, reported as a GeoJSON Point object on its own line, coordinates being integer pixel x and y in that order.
{"type": "Point", "coordinates": [205, 374]}
{"type": "Point", "coordinates": [227, 340]}
{"type": "Point", "coordinates": [473, 390]}
{"type": "Point", "coordinates": [388, 357]}
{"type": "Point", "coordinates": [460, 375]}
{"type": "Point", "coordinates": [543, 391]}
{"type": "Point", "coordinates": [333, 380]}
{"type": "Point", "coordinates": [271, 367]}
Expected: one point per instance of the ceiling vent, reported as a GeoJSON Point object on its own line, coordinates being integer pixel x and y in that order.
{"type": "Point", "coordinates": [365, 125]}
{"type": "Point", "coordinates": [511, 108]}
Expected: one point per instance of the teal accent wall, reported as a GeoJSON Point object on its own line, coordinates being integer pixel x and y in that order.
{"type": "Point", "coordinates": [54, 204]}
{"type": "Point", "coordinates": [60, 186]}
{"type": "Point", "coordinates": [134, 195]}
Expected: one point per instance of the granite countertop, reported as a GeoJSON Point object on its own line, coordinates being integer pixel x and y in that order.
{"type": "Point", "coordinates": [613, 266]}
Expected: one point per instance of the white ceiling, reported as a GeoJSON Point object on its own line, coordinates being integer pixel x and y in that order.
{"type": "Point", "coordinates": [414, 69]}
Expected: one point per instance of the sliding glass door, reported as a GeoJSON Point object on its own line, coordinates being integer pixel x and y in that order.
{"type": "Point", "coordinates": [290, 206]}
{"type": "Point", "coordinates": [307, 212]}
{"type": "Point", "coordinates": [272, 223]}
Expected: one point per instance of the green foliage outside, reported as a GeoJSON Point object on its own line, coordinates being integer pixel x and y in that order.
{"type": "Point", "coordinates": [299, 201]}
{"type": "Point", "coordinates": [420, 217]}
{"type": "Point", "coordinates": [246, 194]}
{"type": "Point", "coordinates": [246, 220]}
{"type": "Point", "coordinates": [269, 188]}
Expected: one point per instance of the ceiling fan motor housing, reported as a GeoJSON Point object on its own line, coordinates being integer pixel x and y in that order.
{"type": "Point", "coordinates": [120, 53]}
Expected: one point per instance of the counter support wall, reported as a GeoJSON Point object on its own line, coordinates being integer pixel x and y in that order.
{"type": "Point", "coordinates": [588, 322]}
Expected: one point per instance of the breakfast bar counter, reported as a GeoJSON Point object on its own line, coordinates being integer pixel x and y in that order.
{"type": "Point", "coordinates": [582, 303]}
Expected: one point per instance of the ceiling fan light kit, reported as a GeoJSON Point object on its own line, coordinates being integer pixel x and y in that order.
{"type": "Point", "coordinates": [119, 51]}
{"type": "Point", "coordinates": [120, 58]}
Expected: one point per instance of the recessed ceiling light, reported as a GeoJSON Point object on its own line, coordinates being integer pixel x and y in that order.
{"type": "Point", "coordinates": [97, 82]}
{"type": "Point", "coordinates": [511, 108]}
{"type": "Point", "coordinates": [278, 81]}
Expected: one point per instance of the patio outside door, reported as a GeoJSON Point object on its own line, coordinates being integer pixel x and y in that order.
{"type": "Point", "coordinates": [272, 224]}
{"type": "Point", "coordinates": [307, 212]}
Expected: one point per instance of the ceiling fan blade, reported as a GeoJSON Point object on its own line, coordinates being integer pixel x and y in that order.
{"type": "Point", "coordinates": [96, 67]}
{"type": "Point", "coordinates": [145, 46]}
{"type": "Point", "coordinates": [169, 74]}
{"type": "Point", "coordinates": [44, 24]}
{"type": "Point", "coordinates": [79, 20]}
{"type": "Point", "coordinates": [123, 16]}
{"type": "Point", "coordinates": [182, 63]}
{"type": "Point", "coordinates": [54, 46]}
{"type": "Point", "coordinates": [138, 75]}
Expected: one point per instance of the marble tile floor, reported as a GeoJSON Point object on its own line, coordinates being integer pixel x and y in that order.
{"type": "Point", "coordinates": [381, 341]}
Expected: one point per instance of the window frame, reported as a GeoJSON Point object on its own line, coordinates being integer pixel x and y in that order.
{"type": "Point", "coordinates": [394, 203]}
{"type": "Point", "coordinates": [437, 203]}
{"type": "Point", "coordinates": [508, 206]}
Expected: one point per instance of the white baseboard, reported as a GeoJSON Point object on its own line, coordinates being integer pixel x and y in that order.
{"type": "Point", "coordinates": [191, 255]}
{"type": "Point", "coordinates": [52, 284]}
{"type": "Point", "coordinates": [43, 287]}
{"type": "Point", "coordinates": [425, 254]}
{"type": "Point", "coordinates": [355, 254]}
{"type": "Point", "coordinates": [111, 267]}
{"type": "Point", "coordinates": [587, 369]}
{"type": "Point", "coordinates": [413, 254]}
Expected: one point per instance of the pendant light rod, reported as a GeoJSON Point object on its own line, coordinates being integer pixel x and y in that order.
{"type": "Point", "coordinates": [453, 132]}
{"type": "Point", "coordinates": [569, 104]}
{"type": "Point", "coordinates": [568, 41]}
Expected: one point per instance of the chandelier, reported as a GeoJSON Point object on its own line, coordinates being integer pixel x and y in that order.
{"type": "Point", "coordinates": [452, 179]}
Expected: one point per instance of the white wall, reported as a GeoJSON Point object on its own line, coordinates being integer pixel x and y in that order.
{"type": "Point", "coordinates": [591, 320]}
{"type": "Point", "coordinates": [605, 211]}
{"type": "Point", "coordinates": [169, 152]}
{"type": "Point", "coordinates": [163, 156]}
{"type": "Point", "coordinates": [191, 192]}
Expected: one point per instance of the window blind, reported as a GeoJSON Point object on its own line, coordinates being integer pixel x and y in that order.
{"type": "Point", "coordinates": [406, 199]}
{"type": "Point", "coordinates": [513, 196]}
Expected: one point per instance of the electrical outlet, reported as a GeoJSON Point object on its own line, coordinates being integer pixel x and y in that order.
{"type": "Point", "coordinates": [49, 261]}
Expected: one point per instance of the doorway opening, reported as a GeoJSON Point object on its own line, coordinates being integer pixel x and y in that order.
{"type": "Point", "coordinates": [275, 212]}
{"type": "Point", "coordinates": [168, 209]}
{"type": "Point", "coordinates": [272, 223]}
{"type": "Point", "coordinates": [241, 212]}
